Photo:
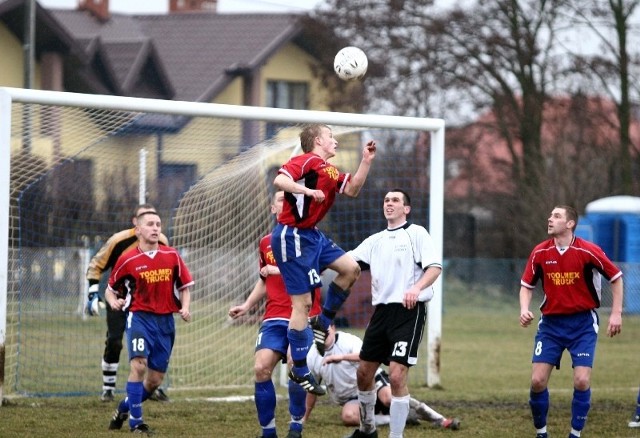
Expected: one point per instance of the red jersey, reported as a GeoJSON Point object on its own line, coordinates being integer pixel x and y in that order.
{"type": "Point", "coordinates": [570, 280]}
{"type": "Point", "coordinates": [315, 173]}
{"type": "Point", "coordinates": [151, 280]}
{"type": "Point", "coordinates": [278, 304]}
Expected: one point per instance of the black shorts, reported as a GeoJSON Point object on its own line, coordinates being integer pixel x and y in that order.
{"type": "Point", "coordinates": [394, 334]}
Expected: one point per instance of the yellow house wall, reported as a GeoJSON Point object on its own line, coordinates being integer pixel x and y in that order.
{"type": "Point", "coordinates": [295, 65]}
{"type": "Point", "coordinates": [12, 71]}
{"type": "Point", "coordinates": [204, 142]}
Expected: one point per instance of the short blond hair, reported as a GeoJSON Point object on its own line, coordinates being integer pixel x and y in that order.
{"type": "Point", "coordinates": [308, 135]}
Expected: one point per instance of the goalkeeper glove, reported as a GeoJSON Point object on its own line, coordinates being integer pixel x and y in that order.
{"type": "Point", "coordinates": [94, 302]}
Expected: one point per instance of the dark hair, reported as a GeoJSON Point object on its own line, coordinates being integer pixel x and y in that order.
{"type": "Point", "coordinates": [309, 134]}
{"type": "Point", "coordinates": [148, 208]}
{"type": "Point", "coordinates": [407, 198]}
{"type": "Point", "coordinates": [274, 195]}
{"type": "Point", "coordinates": [571, 213]}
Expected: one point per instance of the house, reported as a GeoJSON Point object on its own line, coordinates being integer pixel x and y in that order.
{"type": "Point", "coordinates": [190, 54]}
{"type": "Point", "coordinates": [579, 147]}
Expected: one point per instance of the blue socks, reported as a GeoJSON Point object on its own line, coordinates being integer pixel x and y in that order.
{"type": "Point", "coordinates": [539, 402]}
{"type": "Point", "coordinates": [297, 405]}
{"type": "Point", "coordinates": [134, 395]}
{"type": "Point", "coordinates": [332, 303]}
{"type": "Point", "coordinates": [265, 398]}
{"type": "Point", "coordinates": [299, 343]}
{"type": "Point", "coordinates": [580, 406]}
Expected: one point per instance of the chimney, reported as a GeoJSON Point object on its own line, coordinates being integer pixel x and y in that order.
{"type": "Point", "coordinates": [192, 6]}
{"type": "Point", "coordinates": [97, 8]}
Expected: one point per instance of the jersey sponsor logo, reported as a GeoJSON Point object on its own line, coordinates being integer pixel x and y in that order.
{"type": "Point", "coordinates": [270, 258]}
{"type": "Point", "coordinates": [141, 267]}
{"type": "Point", "coordinates": [563, 278]}
{"type": "Point", "coordinates": [156, 275]}
{"type": "Point", "coordinates": [551, 262]}
{"type": "Point", "coordinates": [332, 172]}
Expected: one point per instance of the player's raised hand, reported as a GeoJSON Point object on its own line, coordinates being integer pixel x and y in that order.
{"type": "Point", "coordinates": [369, 151]}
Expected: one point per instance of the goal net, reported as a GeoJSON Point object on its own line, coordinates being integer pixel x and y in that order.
{"type": "Point", "coordinates": [79, 164]}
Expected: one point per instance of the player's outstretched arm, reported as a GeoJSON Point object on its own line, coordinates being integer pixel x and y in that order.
{"type": "Point", "coordinates": [258, 293]}
{"type": "Point", "coordinates": [357, 180]}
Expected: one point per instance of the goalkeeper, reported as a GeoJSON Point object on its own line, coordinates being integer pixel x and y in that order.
{"type": "Point", "coordinates": [104, 260]}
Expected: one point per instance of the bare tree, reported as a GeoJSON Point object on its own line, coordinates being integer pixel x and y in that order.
{"type": "Point", "coordinates": [492, 54]}
{"type": "Point", "coordinates": [610, 68]}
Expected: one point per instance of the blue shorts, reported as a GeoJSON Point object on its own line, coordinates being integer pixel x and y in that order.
{"type": "Point", "coordinates": [577, 333]}
{"type": "Point", "coordinates": [273, 336]}
{"type": "Point", "coordinates": [151, 336]}
{"type": "Point", "coordinates": [301, 254]}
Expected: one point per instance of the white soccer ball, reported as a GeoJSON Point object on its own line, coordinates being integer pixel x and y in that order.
{"type": "Point", "coordinates": [350, 64]}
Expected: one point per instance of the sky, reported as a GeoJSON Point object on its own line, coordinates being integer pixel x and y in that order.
{"type": "Point", "coordinates": [162, 6]}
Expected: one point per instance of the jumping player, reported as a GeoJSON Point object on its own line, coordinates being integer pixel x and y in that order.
{"type": "Point", "coordinates": [152, 283]}
{"type": "Point", "coordinates": [311, 183]}
{"type": "Point", "coordinates": [570, 269]}
{"type": "Point", "coordinates": [272, 343]}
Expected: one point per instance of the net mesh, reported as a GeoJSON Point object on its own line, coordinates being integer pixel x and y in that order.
{"type": "Point", "coordinates": [75, 180]}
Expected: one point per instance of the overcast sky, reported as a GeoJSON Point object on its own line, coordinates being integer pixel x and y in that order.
{"type": "Point", "coordinates": [162, 6]}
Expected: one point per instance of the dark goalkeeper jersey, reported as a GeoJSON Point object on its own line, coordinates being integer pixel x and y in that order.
{"type": "Point", "coordinates": [108, 254]}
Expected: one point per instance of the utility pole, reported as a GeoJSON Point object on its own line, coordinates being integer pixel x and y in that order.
{"type": "Point", "coordinates": [29, 66]}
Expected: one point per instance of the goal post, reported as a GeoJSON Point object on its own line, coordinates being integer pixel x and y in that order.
{"type": "Point", "coordinates": [81, 174]}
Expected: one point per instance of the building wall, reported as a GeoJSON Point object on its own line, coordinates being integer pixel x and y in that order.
{"type": "Point", "coordinates": [11, 73]}
{"type": "Point", "coordinates": [205, 143]}
{"type": "Point", "coordinates": [295, 65]}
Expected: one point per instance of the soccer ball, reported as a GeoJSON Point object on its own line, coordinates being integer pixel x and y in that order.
{"type": "Point", "coordinates": [350, 64]}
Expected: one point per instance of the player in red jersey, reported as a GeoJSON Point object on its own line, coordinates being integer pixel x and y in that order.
{"type": "Point", "coordinates": [151, 282]}
{"type": "Point", "coordinates": [570, 269]}
{"type": "Point", "coordinates": [301, 250]}
{"type": "Point", "coordinates": [272, 343]}
{"type": "Point", "coordinates": [103, 261]}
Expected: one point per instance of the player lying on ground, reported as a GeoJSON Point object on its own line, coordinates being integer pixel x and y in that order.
{"type": "Point", "coordinates": [337, 370]}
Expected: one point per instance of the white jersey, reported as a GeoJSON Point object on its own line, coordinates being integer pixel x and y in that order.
{"type": "Point", "coordinates": [397, 259]}
{"type": "Point", "coordinates": [340, 377]}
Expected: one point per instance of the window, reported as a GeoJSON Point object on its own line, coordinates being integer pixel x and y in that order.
{"type": "Point", "coordinates": [289, 95]}
{"type": "Point", "coordinates": [174, 179]}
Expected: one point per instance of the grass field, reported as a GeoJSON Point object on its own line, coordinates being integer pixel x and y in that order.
{"type": "Point", "coordinates": [485, 369]}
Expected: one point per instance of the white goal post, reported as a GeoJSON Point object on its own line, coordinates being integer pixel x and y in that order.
{"type": "Point", "coordinates": [13, 99]}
